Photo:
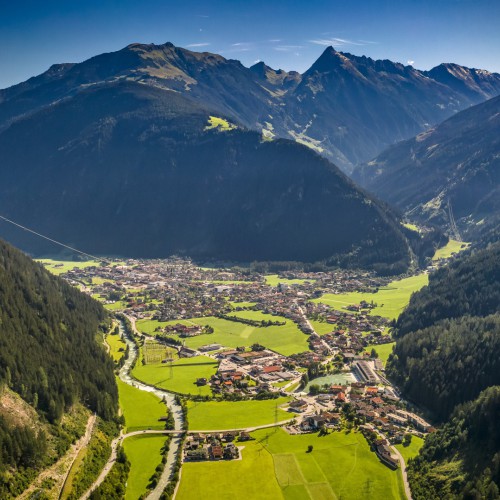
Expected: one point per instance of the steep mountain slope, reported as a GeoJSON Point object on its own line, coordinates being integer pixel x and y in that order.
{"type": "Point", "coordinates": [459, 161]}
{"type": "Point", "coordinates": [130, 169]}
{"type": "Point", "coordinates": [348, 108]}
{"type": "Point", "coordinates": [50, 358]}
{"type": "Point", "coordinates": [462, 459]}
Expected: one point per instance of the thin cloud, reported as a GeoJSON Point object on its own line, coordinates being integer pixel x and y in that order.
{"type": "Point", "coordinates": [336, 41]}
{"type": "Point", "coordinates": [275, 40]}
{"type": "Point", "coordinates": [410, 62]}
{"type": "Point", "coordinates": [288, 48]}
{"type": "Point", "coordinates": [202, 44]}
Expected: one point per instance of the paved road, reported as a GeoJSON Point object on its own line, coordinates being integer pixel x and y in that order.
{"type": "Point", "coordinates": [174, 408]}
{"type": "Point", "coordinates": [403, 472]}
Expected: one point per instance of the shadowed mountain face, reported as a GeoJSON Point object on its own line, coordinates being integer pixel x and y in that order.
{"type": "Point", "coordinates": [130, 169]}
{"type": "Point", "coordinates": [459, 161]}
{"type": "Point", "coordinates": [347, 108]}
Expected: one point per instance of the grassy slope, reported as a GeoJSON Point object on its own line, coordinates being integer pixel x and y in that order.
{"type": "Point", "coordinates": [449, 249]}
{"type": "Point", "coordinates": [412, 450]}
{"type": "Point", "coordinates": [141, 409]}
{"type": "Point", "coordinates": [390, 300]}
{"type": "Point", "coordinates": [115, 344]}
{"type": "Point", "coordinates": [181, 378]}
{"type": "Point", "coordinates": [287, 339]}
{"type": "Point", "coordinates": [221, 415]}
{"type": "Point", "coordinates": [144, 455]}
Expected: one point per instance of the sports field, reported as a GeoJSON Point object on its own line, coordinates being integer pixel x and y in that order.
{"type": "Point", "coordinates": [144, 454]}
{"type": "Point", "coordinates": [277, 465]}
{"type": "Point", "coordinates": [141, 409]}
{"type": "Point", "coordinates": [221, 415]}
{"type": "Point", "coordinates": [180, 376]}
{"type": "Point", "coordinates": [287, 339]}
{"type": "Point", "coordinates": [390, 300]}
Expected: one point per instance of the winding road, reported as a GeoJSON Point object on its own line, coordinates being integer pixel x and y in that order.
{"type": "Point", "coordinates": [173, 407]}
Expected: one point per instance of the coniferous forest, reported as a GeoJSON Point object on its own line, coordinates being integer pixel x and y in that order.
{"type": "Point", "coordinates": [49, 355]}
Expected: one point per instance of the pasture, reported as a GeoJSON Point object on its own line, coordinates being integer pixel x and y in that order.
{"type": "Point", "coordinates": [141, 409]}
{"type": "Point", "coordinates": [410, 451]}
{"type": "Point", "coordinates": [116, 347]}
{"type": "Point", "coordinates": [221, 415]}
{"type": "Point", "coordinates": [180, 376]}
{"type": "Point", "coordinates": [383, 350]}
{"type": "Point", "coordinates": [390, 300]}
{"type": "Point", "coordinates": [452, 247]}
{"type": "Point", "coordinates": [144, 454]}
{"type": "Point", "coordinates": [287, 339]}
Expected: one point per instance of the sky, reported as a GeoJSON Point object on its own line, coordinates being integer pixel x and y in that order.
{"type": "Point", "coordinates": [286, 34]}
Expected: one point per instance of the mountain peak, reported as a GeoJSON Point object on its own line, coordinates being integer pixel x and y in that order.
{"type": "Point", "coordinates": [328, 60]}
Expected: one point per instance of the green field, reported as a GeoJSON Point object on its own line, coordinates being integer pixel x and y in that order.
{"type": "Point", "coordinates": [383, 350]}
{"type": "Point", "coordinates": [449, 249]}
{"type": "Point", "coordinates": [411, 226]}
{"type": "Point", "coordinates": [115, 344]}
{"type": "Point", "coordinates": [275, 280]}
{"type": "Point", "coordinates": [250, 478]}
{"type": "Point", "coordinates": [390, 300]}
{"type": "Point", "coordinates": [144, 454]}
{"type": "Point", "coordinates": [412, 450]}
{"type": "Point", "coordinates": [116, 306]}
{"type": "Point", "coordinates": [220, 415]}
{"type": "Point", "coordinates": [276, 465]}
{"type": "Point", "coordinates": [287, 339]}
{"type": "Point", "coordinates": [243, 304]}
{"type": "Point", "coordinates": [322, 327]}
{"type": "Point", "coordinates": [181, 377]}
{"type": "Point", "coordinates": [141, 409]}
{"type": "Point", "coordinates": [219, 123]}
{"type": "Point", "coordinates": [62, 266]}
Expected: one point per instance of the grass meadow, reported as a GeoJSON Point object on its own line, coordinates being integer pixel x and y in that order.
{"type": "Point", "coordinates": [220, 415]}
{"type": "Point", "coordinates": [180, 376]}
{"type": "Point", "coordinates": [141, 409]}
{"type": "Point", "coordinates": [390, 300]}
{"type": "Point", "coordinates": [453, 246]}
{"type": "Point", "coordinates": [144, 454]}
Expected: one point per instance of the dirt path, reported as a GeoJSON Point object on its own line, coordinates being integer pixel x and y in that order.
{"type": "Point", "coordinates": [59, 471]}
{"type": "Point", "coordinates": [403, 472]}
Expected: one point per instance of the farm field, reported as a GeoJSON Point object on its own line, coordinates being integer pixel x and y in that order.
{"type": "Point", "coordinates": [141, 409]}
{"type": "Point", "coordinates": [181, 377]}
{"type": "Point", "coordinates": [453, 246]}
{"type": "Point", "coordinates": [215, 415]}
{"type": "Point", "coordinates": [58, 267]}
{"type": "Point", "coordinates": [340, 466]}
{"type": "Point", "coordinates": [321, 327]}
{"type": "Point", "coordinates": [144, 454]}
{"type": "Point", "coordinates": [115, 344]}
{"type": "Point", "coordinates": [383, 350]}
{"type": "Point", "coordinates": [287, 339]}
{"type": "Point", "coordinates": [251, 478]}
{"type": "Point", "coordinates": [412, 450]}
{"type": "Point", "coordinates": [390, 300]}
{"type": "Point", "coordinates": [275, 280]}
{"type": "Point", "coordinates": [242, 304]}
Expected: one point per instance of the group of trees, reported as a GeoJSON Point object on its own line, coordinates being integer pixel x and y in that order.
{"type": "Point", "coordinates": [447, 359]}
{"type": "Point", "coordinates": [49, 354]}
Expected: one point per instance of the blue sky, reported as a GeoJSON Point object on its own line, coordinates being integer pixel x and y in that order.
{"type": "Point", "coordinates": [285, 34]}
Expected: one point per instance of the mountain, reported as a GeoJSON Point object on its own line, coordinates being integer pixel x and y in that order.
{"type": "Point", "coordinates": [130, 169]}
{"type": "Point", "coordinates": [462, 459]}
{"type": "Point", "coordinates": [347, 108]}
{"type": "Point", "coordinates": [448, 338]}
{"type": "Point", "coordinates": [50, 365]}
{"type": "Point", "coordinates": [457, 161]}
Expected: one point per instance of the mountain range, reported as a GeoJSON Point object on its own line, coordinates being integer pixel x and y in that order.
{"type": "Point", "coordinates": [456, 163]}
{"type": "Point", "coordinates": [131, 169]}
{"type": "Point", "coordinates": [347, 108]}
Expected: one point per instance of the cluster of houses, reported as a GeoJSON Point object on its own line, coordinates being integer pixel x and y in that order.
{"type": "Point", "coordinates": [214, 446]}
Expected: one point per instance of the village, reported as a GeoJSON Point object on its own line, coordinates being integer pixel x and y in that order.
{"type": "Point", "coordinates": [336, 384]}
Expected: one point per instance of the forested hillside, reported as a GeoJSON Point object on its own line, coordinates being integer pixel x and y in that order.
{"type": "Point", "coordinates": [469, 286]}
{"type": "Point", "coordinates": [462, 459]}
{"type": "Point", "coordinates": [49, 355]}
